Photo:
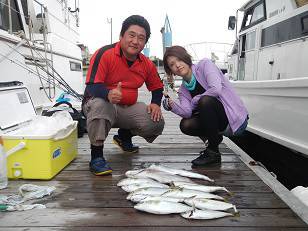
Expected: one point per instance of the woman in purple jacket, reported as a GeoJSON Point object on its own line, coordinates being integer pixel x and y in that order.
{"type": "Point", "coordinates": [208, 104]}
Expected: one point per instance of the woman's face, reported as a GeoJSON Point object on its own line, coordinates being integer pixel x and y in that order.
{"type": "Point", "coordinates": [178, 67]}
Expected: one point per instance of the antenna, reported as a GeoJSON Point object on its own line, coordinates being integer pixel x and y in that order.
{"type": "Point", "coordinates": [109, 20]}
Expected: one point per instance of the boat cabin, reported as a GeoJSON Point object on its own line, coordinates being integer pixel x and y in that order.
{"type": "Point", "coordinates": [272, 40]}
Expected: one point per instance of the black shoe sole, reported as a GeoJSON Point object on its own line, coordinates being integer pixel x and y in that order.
{"type": "Point", "coordinates": [104, 173]}
{"type": "Point", "coordinates": [207, 164]}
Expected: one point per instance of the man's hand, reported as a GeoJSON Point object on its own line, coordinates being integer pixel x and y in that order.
{"type": "Point", "coordinates": [155, 111]}
{"type": "Point", "coordinates": [115, 95]}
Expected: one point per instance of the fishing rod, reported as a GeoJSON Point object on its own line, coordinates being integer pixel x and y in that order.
{"type": "Point", "coordinates": [20, 64]}
{"type": "Point", "coordinates": [58, 79]}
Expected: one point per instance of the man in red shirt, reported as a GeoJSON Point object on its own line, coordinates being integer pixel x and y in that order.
{"type": "Point", "coordinates": [110, 100]}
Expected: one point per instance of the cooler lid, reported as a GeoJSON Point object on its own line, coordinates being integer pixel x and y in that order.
{"type": "Point", "coordinates": [16, 107]}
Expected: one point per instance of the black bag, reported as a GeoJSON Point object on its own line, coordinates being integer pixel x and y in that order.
{"type": "Point", "coordinates": [76, 115]}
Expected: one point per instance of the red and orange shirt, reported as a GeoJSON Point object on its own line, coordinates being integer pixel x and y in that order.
{"type": "Point", "coordinates": [108, 67]}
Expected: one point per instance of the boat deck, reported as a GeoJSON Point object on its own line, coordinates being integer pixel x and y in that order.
{"type": "Point", "coordinates": [83, 200]}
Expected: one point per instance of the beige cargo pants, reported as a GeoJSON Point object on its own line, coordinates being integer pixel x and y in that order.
{"type": "Point", "coordinates": [102, 116]}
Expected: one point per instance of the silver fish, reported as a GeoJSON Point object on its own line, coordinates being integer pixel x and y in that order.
{"type": "Point", "coordinates": [134, 187]}
{"type": "Point", "coordinates": [180, 172]}
{"type": "Point", "coordinates": [151, 191]}
{"type": "Point", "coordinates": [203, 188]}
{"type": "Point", "coordinates": [138, 197]}
{"type": "Point", "coordinates": [162, 177]}
{"type": "Point", "coordinates": [205, 214]}
{"type": "Point", "coordinates": [141, 198]}
{"type": "Point", "coordinates": [206, 204]}
{"type": "Point", "coordinates": [188, 193]}
{"type": "Point", "coordinates": [131, 173]}
{"type": "Point", "coordinates": [171, 199]}
{"type": "Point", "coordinates": [128, 181]}
{"type": "Point", "coordinates": [162, 207]}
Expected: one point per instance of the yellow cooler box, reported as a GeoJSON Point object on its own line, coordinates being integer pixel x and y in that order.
{"type": "Point", "coordinates": [33, 154]}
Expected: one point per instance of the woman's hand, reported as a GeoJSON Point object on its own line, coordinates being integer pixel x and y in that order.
{"type": "Point", "coordinates": [167, 104]}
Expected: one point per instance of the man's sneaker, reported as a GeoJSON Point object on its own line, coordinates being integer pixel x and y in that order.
{"type": "Point", "coordinates": [207, 157]}
{"type": "Point", "coordinates": [99, 166]}
{"type": "Point", "coordinates": [126, 146]}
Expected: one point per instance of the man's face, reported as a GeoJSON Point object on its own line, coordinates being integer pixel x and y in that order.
{"type": "Point", "coordinates": [133, 41]}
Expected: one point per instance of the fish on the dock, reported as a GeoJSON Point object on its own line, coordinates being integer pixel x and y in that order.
{"type": "Point", "coordinates": [138, 197]}
{"type": "Point", "coordinates": [203, 188]}
{"type": "Point", "coordinates": [128, 181]}
{"type": "Point", "coordinates": [132, 173]}
{"type": "Point", "coordinates": [171, 199]}
{"type": "Point", "coordinates": [189, 193]}
{"type": "Point", "coordinates": [162, 207]}
{"type": "Point", "coordinates": [207, 204]}
{"type": "Point", "coordinates": [180, 172]}
{"type": "Point", "coordinates": [205, 214]}
{"type": "Point", "coordinates": [151, 191]}
{"type": "Point", "coordinates": [141, 198]}
{"type": "Point", "coordinates": [134, 187]}
{"type": "Point", "coordinates": [162, 177]}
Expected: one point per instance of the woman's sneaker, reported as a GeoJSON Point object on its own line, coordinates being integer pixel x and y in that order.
{"type": "Point", "coordinates": [99, 167]}
{"type": "Point", "coordinates": [126, 146]}
{"type": "Point", "coordinates": [207, 157]}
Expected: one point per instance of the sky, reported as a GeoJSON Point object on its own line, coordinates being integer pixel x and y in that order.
{"type": "Point", "coordinates": [193, 21]}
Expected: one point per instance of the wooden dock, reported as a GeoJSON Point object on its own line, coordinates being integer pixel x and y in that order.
{"type": "Point", "coordinates": [84, 201]}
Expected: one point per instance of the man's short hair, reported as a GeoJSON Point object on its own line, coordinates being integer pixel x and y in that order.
{"type": "Point", "coordinates": [139, 21]}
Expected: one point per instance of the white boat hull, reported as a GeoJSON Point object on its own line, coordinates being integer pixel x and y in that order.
{"type": "Point", "coordinates": [15, 68]}
{"type": "Point", "coordinates": [45, 56]}
{"type": "Point", "coordinates": [278, 110]}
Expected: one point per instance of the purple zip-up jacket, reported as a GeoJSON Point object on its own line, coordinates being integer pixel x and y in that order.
{"type": "Point", "coordinates": [215, 85]}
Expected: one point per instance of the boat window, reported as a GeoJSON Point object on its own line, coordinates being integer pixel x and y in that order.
{"type": "Point", "coordinates": [235, 48]}
{"type": "Point", "coordinates": [38, 9]}
{"type": "Point", "coordinates": [258, 13]}
{"type": "Point", "coordinates": [253, 15]}
{"type": "Point", "coordinates": [75, 66]}
{"type": "Point", "coordinates": [25, 10]}
{"type": "Point", "coordinates": [292, 28]}
{"type": "Point", "coordinates": [247, 18]}
{"type": "Point", "coordinates": [243, 46]}
{"type": "Point", "coordinates": [300, 3]}
{"type": "Point", "coordinates": [250, 40]}
{"type": "Point", "coordinates": [304, 22]}
{"type": "Point", "coordinates": [4, 16]}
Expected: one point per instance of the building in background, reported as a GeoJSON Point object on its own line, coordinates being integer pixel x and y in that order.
{"type": "Point", "coordinates": [86, 56]}
{"type": "Point", "coordinates": [166, 34]}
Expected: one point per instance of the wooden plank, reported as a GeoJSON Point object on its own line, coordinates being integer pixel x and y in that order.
{"type": "Point", "coordinates": [156, 228]}
{"type": "Point", "coordinates": [214, 174]}
{"type": "Point", "coordinates": [116, 198]}
{"type": "Point", "coordinates": [117, 166]}
{"type": "Point", "coordinates": [99, 184]}
{"type": "Point", "coordinates": [165, 138]}
{"type": "Point", "coordinates": [153, 145]}
{"type": "Point", "coordinates": [155, 151]}
{"type": "Point", "coordinates": [113, 217]}
{"type": "Point", "coordinates": [158, 158]}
